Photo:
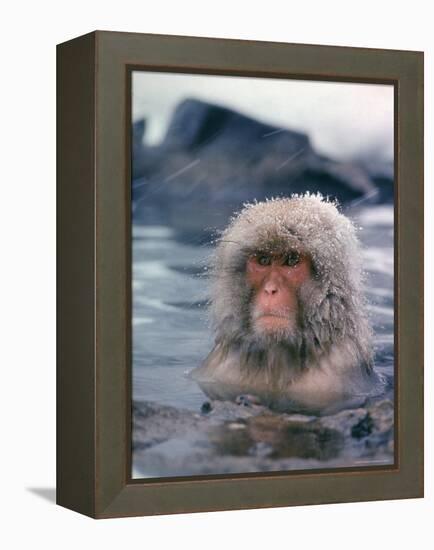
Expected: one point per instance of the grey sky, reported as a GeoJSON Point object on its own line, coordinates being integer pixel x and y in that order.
{"type": "Point", "coordinates": [343, 120]}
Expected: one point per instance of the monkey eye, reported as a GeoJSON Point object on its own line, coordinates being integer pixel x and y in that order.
{"type": "Point", "coordinates": [292, 259]}
{"type": "Point", "coordinates": [263, 259]}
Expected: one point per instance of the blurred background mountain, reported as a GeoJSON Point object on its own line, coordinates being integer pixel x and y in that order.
{"type": "Point", "coordinates": [213, 158]}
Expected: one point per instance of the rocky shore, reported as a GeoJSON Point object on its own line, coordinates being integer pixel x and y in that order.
{"type": "Point", "coordinates": [227, 437]}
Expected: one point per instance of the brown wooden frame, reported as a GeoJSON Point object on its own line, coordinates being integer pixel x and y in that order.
{"type": "Point", "coordinates": [94, 273]}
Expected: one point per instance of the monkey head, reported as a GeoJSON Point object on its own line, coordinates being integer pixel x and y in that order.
{"type": "Point", "coordinates": [287, 272]}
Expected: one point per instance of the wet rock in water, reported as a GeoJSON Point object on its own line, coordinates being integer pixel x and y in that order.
{"type": "Point", "coordinates": [206, 407]}
{"type": "Point", "coordinates": [344, 421]}
{"type": "Point", "coordinates": [363, 428]}
{"type": "Point", "coordinates": [281, 436]}
{"type": "Point", "coordinates": [229, 442]}
{"type": "Point", "coordinates": [381, 441]}
{"type": "Point", "coordinates": [382, 413]}
{"type": "Point", "coordinates": [234, 439]}
{"type": "Point", "coordinates": [154, 424]}
{"type": "Point", "coordinates": [247, 400]}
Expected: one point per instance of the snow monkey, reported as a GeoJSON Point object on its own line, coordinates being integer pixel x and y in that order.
{"type": "Point", "coordinates": [288, 311]}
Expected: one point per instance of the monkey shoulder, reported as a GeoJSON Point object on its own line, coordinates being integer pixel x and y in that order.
{"type": "Point", "coordinates": [326, 385]}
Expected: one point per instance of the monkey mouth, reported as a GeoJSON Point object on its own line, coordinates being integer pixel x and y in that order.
{"type": "Point", "coordinates": [272, 321]}
{"type": "Point", "coordinates": [278, 314]}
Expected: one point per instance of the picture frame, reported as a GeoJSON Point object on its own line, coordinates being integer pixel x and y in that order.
{"type": "Point", "coordinates": [94, 273]}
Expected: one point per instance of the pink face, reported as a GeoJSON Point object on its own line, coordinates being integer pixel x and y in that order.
{"type": "Point", "coordinates": [275, 280]}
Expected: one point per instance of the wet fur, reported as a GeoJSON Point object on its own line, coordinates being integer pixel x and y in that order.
{"type": "Point", "coordinates": [328, 358]}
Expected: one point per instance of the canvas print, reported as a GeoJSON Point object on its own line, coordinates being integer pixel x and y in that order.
{"type": "Point", "coordinates": [262, 275]}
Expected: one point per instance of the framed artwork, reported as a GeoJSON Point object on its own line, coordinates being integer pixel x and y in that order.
{"type": "Point", "coordinates": [240, 274]}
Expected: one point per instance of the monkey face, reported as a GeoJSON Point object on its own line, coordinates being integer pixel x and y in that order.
{"type": "Point", "coordinates": [275, 281]}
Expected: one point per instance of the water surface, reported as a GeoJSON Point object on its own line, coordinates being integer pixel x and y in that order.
{"type": "Point", "coordinates": [171, 332]}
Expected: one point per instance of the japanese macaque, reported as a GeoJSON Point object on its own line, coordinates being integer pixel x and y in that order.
{"type": "Point", "coordinates": [288, 311]}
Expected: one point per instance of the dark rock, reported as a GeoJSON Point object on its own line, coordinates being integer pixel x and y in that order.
{"type": "Point", "coordinates": [247, 400]}
{"type": "Point", "coordinates": [294, 438]}
{"type": "Point", "coordinates": [197, 125]}
{"type": "Point", "coordinates": [206, 407]}
{"type": "Point", "coordinates": [363, 428]}
{"type": "Point", "coordinates": [214, 159]}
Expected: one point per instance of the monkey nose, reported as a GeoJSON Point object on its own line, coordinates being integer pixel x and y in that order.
{"type": "Point", "coordinates": [270, 288]}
